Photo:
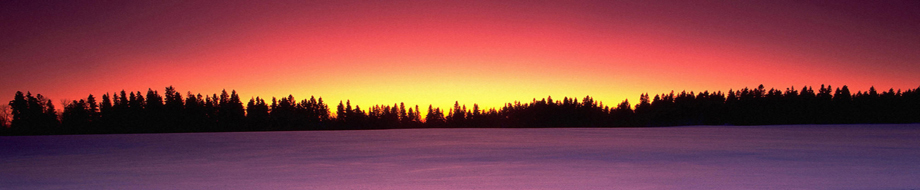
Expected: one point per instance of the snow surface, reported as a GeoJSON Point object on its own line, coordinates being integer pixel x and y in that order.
{"type": "Point", "coordinates": [697, 157]}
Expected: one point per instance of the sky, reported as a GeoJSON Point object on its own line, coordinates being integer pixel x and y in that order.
{"type": "Point", "coordinates": [439, 52]}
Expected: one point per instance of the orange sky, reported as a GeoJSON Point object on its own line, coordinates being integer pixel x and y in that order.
{"type": "Point", "coordinates": [422, 52]}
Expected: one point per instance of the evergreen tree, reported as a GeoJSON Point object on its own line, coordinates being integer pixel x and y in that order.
{"type": "Point", "coordinates": [134, 112]}
{"type": "Point", "coordinates": [257, 114]}
{"type": "Point", "coordinates": [403, 116]}
{"type": "Point", "coordinates": [434, 118]}
{"type": "Point", "coordinates": [340, 113]}
{"type": "Point", "coordinates": [76, 117]}
{"type": "Point", "coordinates": [22, 116]}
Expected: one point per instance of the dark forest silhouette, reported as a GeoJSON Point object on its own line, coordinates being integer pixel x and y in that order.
{"type": "Point", "coordinates": [134, 112]}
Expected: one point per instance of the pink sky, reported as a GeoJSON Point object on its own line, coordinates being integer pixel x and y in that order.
{"type": "Point", "coordinates": [422, 52]}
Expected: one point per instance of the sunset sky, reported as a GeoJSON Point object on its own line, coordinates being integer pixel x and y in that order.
{"type": "Point", "coordinates": [433, 52]}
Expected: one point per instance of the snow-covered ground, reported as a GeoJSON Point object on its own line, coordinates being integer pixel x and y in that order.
{"type": "Point", "coordinates": [697, 157]}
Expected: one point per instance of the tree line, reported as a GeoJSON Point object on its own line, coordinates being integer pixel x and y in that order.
{"type": "Point", "coordinates": [151, 112]}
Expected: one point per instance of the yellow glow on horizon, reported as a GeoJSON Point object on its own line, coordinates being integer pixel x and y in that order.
{"type": "Point", "coordinates": [471, 53]}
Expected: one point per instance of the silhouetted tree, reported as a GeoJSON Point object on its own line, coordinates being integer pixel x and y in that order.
{"type": "Point", "coordinates": [434, 118]}
{"type": "Point", "coordinates": [173, 108]}
{"type": "Point", "coordinates": [230, 112]}
{"type": "Point", "coordinates": [195, 116]}
{"type": "Point", "coordinates": [33, 115]}
{"type": "Point", "coordinates": [257, 114]}
{"type": "Point", "coordinates": [623, 114]}
{"type": "Point", "coordinates": [5, 118]}
{"type": "Point", "coordinates": [134, 113]}
{"type": "Point", "coordinates": [22, 115]}
{"type": "Point", "coordinates": [76, 117]}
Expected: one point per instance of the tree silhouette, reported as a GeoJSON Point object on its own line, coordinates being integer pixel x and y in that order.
{"type": "Point", "coordinates": [435, 117]}
{"type": "Point", "coordinates": [258, 117]}
{"type": "Point", "coordinates": [33, 115]}
{"type": "Point", "coordinates": [230, 114]}
{"type": "Point", "coordinates": [75, 117]}
{"type": "Point", "coordinates": [134, 112]}
{"type": "Point", "coordinates": [5, 118]}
